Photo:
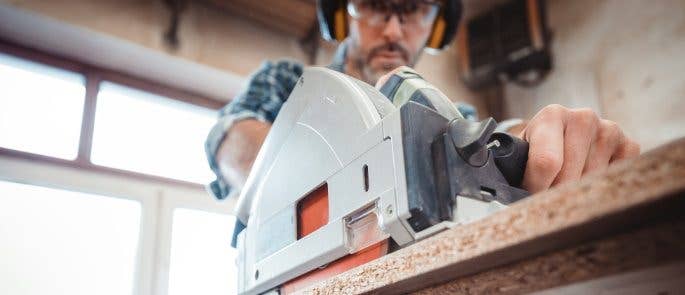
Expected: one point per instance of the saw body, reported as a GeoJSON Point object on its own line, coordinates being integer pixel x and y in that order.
{"type": "Point", "coordinates": [344, 169]}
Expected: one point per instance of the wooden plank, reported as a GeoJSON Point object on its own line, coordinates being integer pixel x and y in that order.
{"type": "Point", "coordinates": [651, 246]}
{"type": "Point", "coordinates": [647, 190]}
{"type": "Point", "coordinates": [292, 17]}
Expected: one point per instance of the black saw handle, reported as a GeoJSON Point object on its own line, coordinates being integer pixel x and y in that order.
{"type": "Point", "coordinates": [469, 138]}
{"type": "Point", "coordinates": [511, 156]}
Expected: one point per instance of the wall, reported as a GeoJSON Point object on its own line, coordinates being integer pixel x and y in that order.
{"type": "Point", "coordinates": [623, 58]}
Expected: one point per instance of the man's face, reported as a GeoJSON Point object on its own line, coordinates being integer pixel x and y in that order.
{"type": "Point", "coordinates": [387, 34]}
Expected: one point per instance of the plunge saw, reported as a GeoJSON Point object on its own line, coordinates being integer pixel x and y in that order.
{"type": "Point", "coordinates": [349, 172]}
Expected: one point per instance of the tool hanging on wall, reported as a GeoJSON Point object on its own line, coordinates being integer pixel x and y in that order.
{"type": "Point", "coordinates": [509, 43]}
{"type": "Point", "coordinates": [176, 7]}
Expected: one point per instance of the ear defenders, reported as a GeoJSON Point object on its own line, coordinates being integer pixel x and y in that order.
{"type": "Point", "coordinates": [332, 15]}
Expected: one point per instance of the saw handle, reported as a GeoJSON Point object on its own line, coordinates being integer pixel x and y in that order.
{"type": "Point", "coordinates": [511, 156]}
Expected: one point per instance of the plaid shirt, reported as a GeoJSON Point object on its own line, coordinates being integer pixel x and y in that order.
{"type": "Point", "coordinates": [267, 90]}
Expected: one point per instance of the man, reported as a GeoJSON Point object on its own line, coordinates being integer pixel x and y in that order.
{"type": "Point", "coordinates": [380, 36]}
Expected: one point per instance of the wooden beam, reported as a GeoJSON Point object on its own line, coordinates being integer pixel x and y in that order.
{"type": "Point", "coordinates": [291, 17]}
{"type": "Point", "coordinates": [627, 217]}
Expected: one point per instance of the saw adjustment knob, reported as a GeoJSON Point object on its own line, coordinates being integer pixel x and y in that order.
{"type": "Point", "coordinates": [471, 138]}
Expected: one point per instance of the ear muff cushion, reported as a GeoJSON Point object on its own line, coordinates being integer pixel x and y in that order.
{"type": "Point", "coordinates": [446, 24]}
{"type": "Point", "coordinates": [332, 19]}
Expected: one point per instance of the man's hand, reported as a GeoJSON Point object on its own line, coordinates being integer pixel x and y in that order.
{"type": "Point", "coordinates": [566, 144]}
{"type": "Point", "coordinates": [239, 150]}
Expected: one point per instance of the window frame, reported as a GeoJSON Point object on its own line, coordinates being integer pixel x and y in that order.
{"type": "Point", "coordinates": [158, 196]}
{"type": "Point", "coordinates": [93, 76]}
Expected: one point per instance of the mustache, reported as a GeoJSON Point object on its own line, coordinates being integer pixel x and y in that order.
{"type": "Point", "coordinates": [393, 47]}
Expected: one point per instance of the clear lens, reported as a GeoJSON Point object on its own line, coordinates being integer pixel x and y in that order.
{"type": "Point", "coordinates": [363, 229]}
{"type": "Point", "coordinates": [424, 15]}
{"type": "Point", "coordinates": [364, 11]}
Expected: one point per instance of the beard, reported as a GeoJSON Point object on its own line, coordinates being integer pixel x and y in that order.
{"type": "Point", "coordinates": [371, 73]}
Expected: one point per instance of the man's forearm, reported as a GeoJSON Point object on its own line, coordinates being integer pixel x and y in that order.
{"type": "Point", "coordinates": [239, 150]}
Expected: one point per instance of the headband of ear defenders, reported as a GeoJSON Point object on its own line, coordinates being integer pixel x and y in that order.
{"type": "Point", "coordinates": [332, 15]}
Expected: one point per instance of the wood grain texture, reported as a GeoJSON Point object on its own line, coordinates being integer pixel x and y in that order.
{"type": "Point", "coordinates": [628, 196]}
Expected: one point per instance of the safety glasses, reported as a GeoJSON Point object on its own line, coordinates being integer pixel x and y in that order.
{"type": "Point", "coordinates": [416, 13]}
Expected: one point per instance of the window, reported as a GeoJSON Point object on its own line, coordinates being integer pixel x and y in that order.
{"type": "Point", "coordinates": [63, 242]}
{"type": "Point", "coordinates": [116, 239]}
{"type": "Point", "coordinates": [202, 260]}
{"type": "Point", "coordinates": [142, 132]}
{"type": "Point", "coordinates": [40, 108]}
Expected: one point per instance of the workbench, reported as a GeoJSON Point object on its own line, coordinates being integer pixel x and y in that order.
{"type": "Point", "coordinates": [615, 232]}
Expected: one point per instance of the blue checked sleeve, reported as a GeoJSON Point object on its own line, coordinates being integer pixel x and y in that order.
{"type": "Point", "coordinates": [267, 89]}
{"type": "Point", "coordinates": [467, 110]}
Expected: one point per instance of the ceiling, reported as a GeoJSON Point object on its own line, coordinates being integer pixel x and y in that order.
{"type": "Point", "coordinates": [298, 17]}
